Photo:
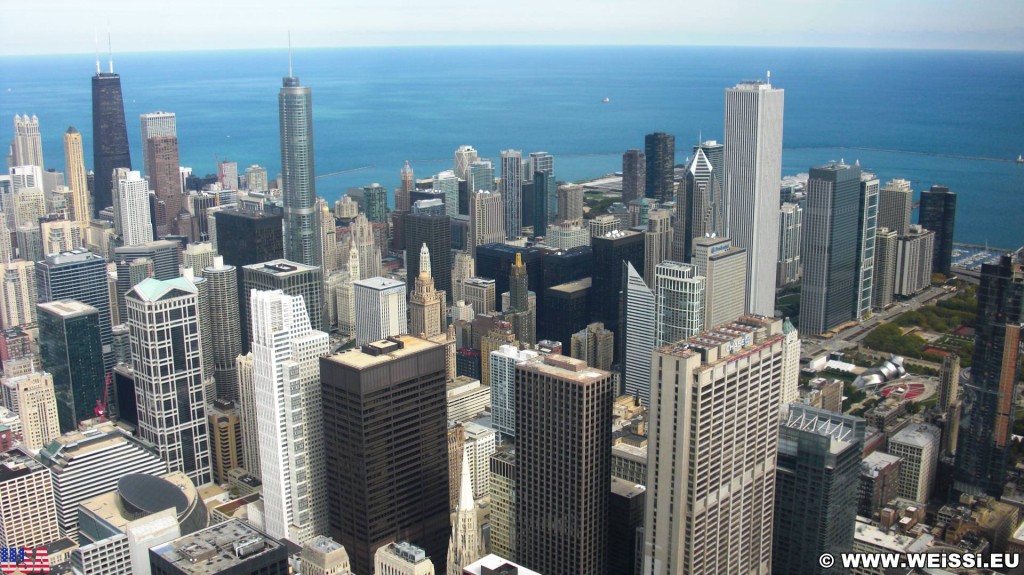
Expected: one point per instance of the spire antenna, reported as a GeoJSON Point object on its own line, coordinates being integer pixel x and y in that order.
{"type": "Point", "coordinates": [110, 50]}
{"type": "Point", "coordinates": [289, 53]}
{"type": "Point", "coordinates": [96, 37]}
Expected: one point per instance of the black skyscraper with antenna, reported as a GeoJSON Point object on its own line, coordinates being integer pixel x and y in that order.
{"type": "Point", "coordinates": [109, 134]}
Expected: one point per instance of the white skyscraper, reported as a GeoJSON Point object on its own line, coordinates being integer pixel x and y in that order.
{"type": "Point", "coordinates": [369, 252]}
{"type": "Point", "coordinates": [486, 219]}
{"type": "Point", "coordinates": [464, 158]}
{"type": "Point", "coordinates": [679, 302]}
{"type": "Point", "coordinates": [512, 191]}
{"type": "Point", "coordinates": [27, 147]}
{"type": "Point", "coordinates": [381, 309]}
{"type": "Point", "coordinates": [724, 267]}
{"type": "Point", "coordinates": [753, 169]}
{"type": "Point", "coordinates": [448, 183]}
{"type": "Point", "coordinates": [286, 381]}
{"type": "Point", "coordinates": [503, 386]}
{"type": "Point", "coordinates": [131, 208]}
{"type": "Point", "coordinates": [640, 306]}
{"type": "Point", "coordinates": [163, 324]}
{"type": "Point", "coordinates": [790, 363]}
{"type": "Point", "coordinates": [712, 441]}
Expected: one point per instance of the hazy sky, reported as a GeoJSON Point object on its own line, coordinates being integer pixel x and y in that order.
{"type": "Point", "coordinates": [68, 26]}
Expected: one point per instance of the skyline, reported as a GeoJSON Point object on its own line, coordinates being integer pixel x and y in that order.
{"type": "Point", "coordinates": [194, 25]}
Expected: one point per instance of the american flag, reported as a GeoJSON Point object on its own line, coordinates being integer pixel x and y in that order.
{"type": "Point", "coordinates": [26, 560]}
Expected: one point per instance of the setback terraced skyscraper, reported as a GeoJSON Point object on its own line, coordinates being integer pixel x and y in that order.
{"type": "Point", "coordinates": [301, 218]}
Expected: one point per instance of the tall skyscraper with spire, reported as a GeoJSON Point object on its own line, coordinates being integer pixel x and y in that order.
{"type": "Point", "coordinates": [74, 167]}
{"type": "Point", "coordinates": [465, 545]}
{"type": "Point", "coordinates": [753, 164]}
{"type": "Point", "coordinates": [27, 147]}
{"type": "Point", "coordinates": [520, 313]}
{"type": "Point", "coordinates": [426, 306]}
{"type": "Point", "coordinates": [301, 217]}
{"type": "Point", "coordinates": [109, 135]}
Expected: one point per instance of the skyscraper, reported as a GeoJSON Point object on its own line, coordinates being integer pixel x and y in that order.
{"type": "Point", "coordinates": [639, 333]}
{"type": "Point", "coordinates": [988, 414]}
{"type": "Point", "coordinates": [486, 219]}
{"type": "Point", "coordinates": [544, 188]}
{"type": "Point", "coordinates": [301, 218]}
{"type": "Point", "coordinates": [511, 189]}
{"type": "Point", "coordinates": [380, 309]}
{"type": "Point", "coordinates": [74, 167]}
{"type": "Point", "coordinates": [426, 306]}
{"type": "Point", "coordinates": [830, 249]}
{"type": "Point", "coordinates": [163, 321]}
{"type": "Point", "coordinates": [36, 405]}
{"type": "Point", "coordinates": [27, 146]}
{"type": "Point", "coordinates": [155, 124]}
{"type": "Point", "coordinates": [634, 175]}
{"type": "Point", "coordinates": [436, 233]}
{"type": "Point", "coordinates": [28, 517]}
{"type": "Point", "coordinates": [610, 251]}
{"type": "Point", "coordinates": [387, 400]}
{"type": "Point", "coordinates": [375, 203]}
{"type": "Point", "coordinates": [719, 448]}
{"type": "Point", "coordinates": [109, 136]}
{"type": "Point", "coordinates": [563, 465]}
{"type": "Point", "coordinates": [867, 225]}
{"type": "Point", "coordinates": [502, 362]}
{"type": "Point", "coordinates": [165, 179]}
{"type": "Point", "coordinates": [131, 208]}
{"type": "Point", "coordinates": [465, 545]}
{"type": "Point", "coordinates": [481, 177]}
{"type": "Point", "coordinates": [402, 202]}
{"type": "Point", "coordinates": [753, 169]}
{"type": "Point", "coordinates": [542, 194]}
{"type": "Point", "coordinates": [520, 312]}
{"type": "Point", "coordinates": [660, 153]}
{"type": "Point", "coordinates": [895, 202]}
{"type": "Point", "coordinates": [816, 485]}
{"type": "Point", "coordinates": [464, 158]}
{"type": "Point", "coordinates": [18, 295]}
{"type": "Point", "coordinates": [938, 214]}
{"type": "Point", "coordinates": [914, 255]}
{"type": "Point", "coordinates": [293, 279]}
{"type": "Point", "coordinates": [447, 183]}
{"type": "Point", "coordinates": [570, 203]}
{"type": "Point", "coordinates": [790, 229]}
{"type": "Point", "coordinates": [679, 302]}
{"type": "Point", "coordinates": [286, 352]}
{"type": "Point", "coordinates": [71, 350]}
{"type": "Point", "coordinates": [226, 336]}
{"type": "Point", "coordinates": [885, 268]}
{"type": "Point", "coordinates": [658, 241]}
{"type": "Point", "coordinates": [700, 204]}
{"type": "Point", "coordinates": [82, 276]}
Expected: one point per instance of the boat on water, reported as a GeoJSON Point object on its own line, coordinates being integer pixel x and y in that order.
{"type": "Point", "coordinates": [1020, 158]}
{"type": "Point", "coordinates": [606, 100]}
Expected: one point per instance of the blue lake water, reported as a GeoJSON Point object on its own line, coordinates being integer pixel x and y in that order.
{"type": "Point", "coordinates": [375, 108]}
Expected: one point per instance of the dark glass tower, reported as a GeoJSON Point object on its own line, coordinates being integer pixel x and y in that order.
{"type": "Point", "coordinates": [495, 261]}
{"type": "Point", "coordinates": [436, 232]}
{"type": "Point", "coordinates": [830, 248]}
{"type": "Point", "coordinates": [70, 349]}
{"type": "Point", "coordinates": [302, 241]}
{"type": "Point", "coordinates": [988, 399]}
{"type": "Point", "coordinates": [79, 275]}
{"type": "Point", "coordinates": [938, 214]}
{"type": "Point", "coordinates": [634, 175]}
{"type": "Point", "coordinates": [387, 444]}
{"type": "Point", "coordinates": [816, 483]}
{"type": "Point", "coordinates": [610, 250]}
{"type": "Point", "coordinates": [541, 191]}
{"type": "Point", "coordinates": [109, 136]}
{"type": "Point", "coordinates": [660, 149]}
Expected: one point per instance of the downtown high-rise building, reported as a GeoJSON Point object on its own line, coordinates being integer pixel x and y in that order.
{"type": "Point", "coordinates": [895, 203]}
{"type": "Point", "coordinates": [563, 465]}
{"type": "Point", "coordinates": [361, 232]}
{"type": "Point", "coordinates": [660, 155]}
{"type": "Point", "coordinates": [713, 437]}
{"type": "Point", "coordinates": [511, 189]}
{"type": "Point", "coordinates": [71, 350]}
{"type": "Point", "coordinates": [700, 203]}
{"type": "Point", "coordinates": [286, 381]}
{"type": "Point", "coordinates": [678, 302]}
{"type": "Point", "coordinates": [639, 307]}
{"type": "Point", "coordinates": [790, 230]}
{"type": "Point", "coordinates": [226, 336]}
{"type": "Point", "coordinates": [634, 175]}
{"type": "Point", "coordinates": [381, 309]}
{"type": "Point", "coordinates": [27, 147]}
{"type": "Point", "coordinates": [546, 203]}
{"type": "Point", "coordinates": [724, 267]}
{"type": "Point", "coordinates": [165, 180]}
{"type": "Point", "coordinates": [17, 294]}
{"type": "Point", "coordinates": [658, 241]}
{"type": "Point", "coordinates": [301, 218]}
{"type": "Point", "coordinates": [986, 423]}
{"type": "Point", "coordinates": [28, 517]}
{"type": "Point", "coordinates": [153, 125]}
{"type": "Point", "coordinates": [447, 183]}
{"type": "Point", "coordinates": [885, 268]}
{"type": "Point", "coordinates": [32, 397]}
{"type": "Point", "coordinates": [938, 214]}
{"type": "Point", "coordinates": [82, 276]}
{"type": "Point", "coordinates": [293, 279]}
{"type": "Point", "coordinates": [610, 251]}
{"type": "Point", "coordinates": [387, 400]}
{"type": "Point", "coordinates": [427, 310]}
{"type": "Point", "coordinates": [816, 488]}
{"type": "Point", "coordinates": [914, 255]}
{"type": "Point", "coordinates": [867, 226]}
{"type": "Point", "coordinates": [464, 158]}
{"type": "Point", "coordinates": [830, 248]}
{"type": "Point", "coordinates": [74, 168]}
{"type": "Point", "coordinates": [753, 169]}
{"type": "Point", "coordinates": [502, 362]}
{"type": "Point", "coordinates": [486, 219]}
{"type": "Point", "coordinates": [109, 136]}
{"type": "Point", "coordinates": [163, 323]}
{"type": "Point", "coordinates": [434, 231]}
{"type": "Point", "coordinates": [131, 208]}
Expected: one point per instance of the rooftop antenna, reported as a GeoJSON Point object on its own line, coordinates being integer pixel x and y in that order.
{"type": "Point", "coordinates": [96, 37]}
{"type": "Point", "coordinates": [289, 53]}
{"type": "Point", "coordinates": [110, 51]}
{"type": "Point", "coordinates": [769, 77]}
{"type": "Point", "coordinates": [700, 137]}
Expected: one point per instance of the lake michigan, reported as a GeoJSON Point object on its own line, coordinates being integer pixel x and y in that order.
{"type": "Point", "coordinates": [933, 117]}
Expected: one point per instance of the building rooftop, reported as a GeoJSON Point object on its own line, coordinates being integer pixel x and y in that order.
{"type": "Point", "coordinates": [79, 255]}
{"type": "Point", "coordinates": [17, 463]}
{"type": "Point", "coordinates": [379, 283]}
{"type": "Point", "coordinates": [479, 282]}
{"type": "Point", "coordinates": [281, 267]}
{"type": "Point", "coordinates": [564, 367]}
{"type": "Point", "coordinates": [494, 565]}
{"type": "Point", "coordinates": [381, 352]}
{"type": "Point", "coordinates": [868, 533]}
{"type": "Point", "coordinates": [69, 446]}
{"type": "Point", "coordinates": [407, 551]}
{"type": "Point", "coordinates": [875, 462]}
{"type": "Point", "coordinates": [216, 549]}
{"type": "Point", "coordinates": [139, 495]}
{"type": "Point", "coordinates": [575, 286]}
{"type": "Point", "coordinates": [67, 308]}
{"type": "Point", "coordinates": [151, 289]}
{"type": "Point", "coordinates": [626, 489]}
{"type": "Point", "coordinates": [920, 435]}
